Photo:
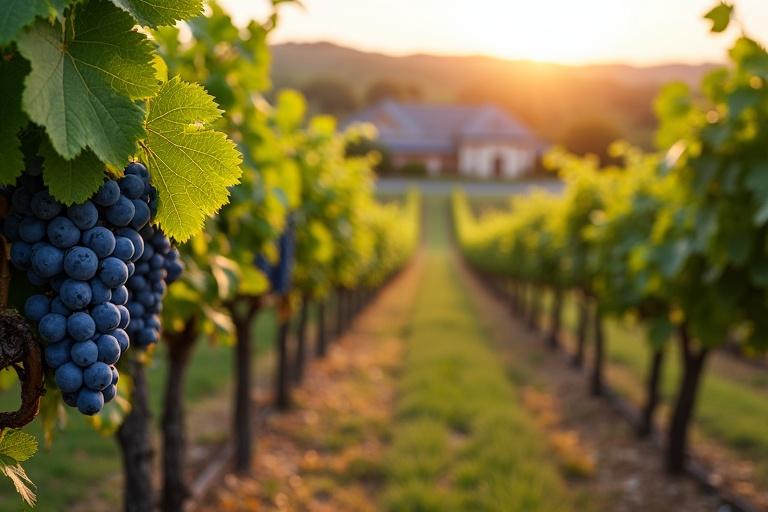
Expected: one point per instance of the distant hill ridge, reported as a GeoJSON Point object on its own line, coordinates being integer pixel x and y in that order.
{"type": "Point", "coordinates": [582, 106]}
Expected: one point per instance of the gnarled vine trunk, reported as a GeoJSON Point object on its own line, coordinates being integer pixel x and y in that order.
{"type": "Point", "coordinates": [321, 343]}
{"type": "Point", "coordinates": [581, 331]}
{"type": "Point", "coordinates": [282, 377]}
{"type": "Point", "coordinates": [685, 403]}
{"type": "Point", "coordinates": [651, 403]}
{"type": "Point", "coordinates": [598, 354]}
{"type": "Point", "coordinates": [553, 338]}
{"type": "Point", "coordinates": [301, 340]}
{"type": "Point", "coordinates": [135, 442]}
{"type": "Point", "coordinates": [243, 315]}
{"type": "Point", "coordinates": [175, 488]}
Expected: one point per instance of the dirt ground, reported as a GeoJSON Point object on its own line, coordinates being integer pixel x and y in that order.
{"type": "Point", "coordinates": [324, 454]}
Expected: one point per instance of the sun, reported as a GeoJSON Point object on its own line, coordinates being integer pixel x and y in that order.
{"type": "Point", "coordinates": [547, 30]}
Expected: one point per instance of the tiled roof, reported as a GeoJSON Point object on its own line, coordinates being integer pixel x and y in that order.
{"type": "Point", "coordinates": [409, 127]}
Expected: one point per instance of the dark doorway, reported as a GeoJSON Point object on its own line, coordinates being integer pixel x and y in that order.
{"type": "Point", "coordinates": [498, 166]}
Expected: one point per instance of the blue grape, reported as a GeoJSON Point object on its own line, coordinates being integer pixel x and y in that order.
{"type": "Point", "coordinates": [81, 326]}
{"type": "Point", "coordinates": [119, 296]}
{"type": "Point", "coordinates": [108, 194]}
{"type": "Point", "coordinates": [36, 307]}
{"type": "Point", "coordinates": [84, 216]}
{"type": "Point", "coordinates": [100, 292]}
{"type": "Point", "coordinates": [69, 377]}
{"type": "Point", "coordinates": [31, 229]}
{"type": "Point", "coordinates": [137, 169]}
{"type": "Point", "coordinates": [21, 255]}
{"type": "Point", "coordinates": [70, 399]}
{"type": "Point", "coordinates": [125, 317]}
{"type": "Point", "coordinates": [109, 349]}
{"type": "Point", "coordinates": [11, 226]}
{"type": "Point", "coordinates": [56, 354]}
{"type": "Point", "coordinates": [137, 283]}
{"type": "Point", "coordinates": [106, 316]}
{"type": "Point", "coordinates": [109, 393]}
{"type": "Point", "coordinates": [84, 353]}
{"type": "Point", "coordinates": [21, 199]}
{"type": "Point", "coordinates": [81, 263]}
{"type": "Point", "coordinates": [131, 186]}
{"type": "Point", "coordinates": [57, 306]}
{"type": "Point", "coordinates": [121, 213]}
{"type": "Point", "coordinates": [113, 272]}
{"type": "Point", "coordinates": [123, 248]}
{"type": "Point", "coordinates": [47, 261]}
{"type": "Point", "coordinates": [97, 376]}
{"type": "Point", "coordinates": [44, 206]}
{"type": "Point", "coordinates": [52, 327]}
{"type": "Point", "coordinates": [136, 240]}
{"type": "Point", "coordinates": [141, 214]}
{"type": "Point", "coordinates": [63, 233]}
{"type": "Point", "coordinates": [89, 402]}
{"type": "Point", "coordinates": [100, 240]}
{"type": "Point", "coordinates": [131, 268]}
{"type": "Point", "coordinates": [75, 294]}
{"type": "Point", "coordinates": [147, 336]}
{"type": "Point", "coordinates": [136, 309]}
{"type": "Point", "coordinates": [122, 339]}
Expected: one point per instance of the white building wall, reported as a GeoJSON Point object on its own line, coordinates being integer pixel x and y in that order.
{"type": "Point", "coordinates": [478, 160]}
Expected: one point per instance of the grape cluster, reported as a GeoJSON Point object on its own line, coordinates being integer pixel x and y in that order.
{"type": "Point", "coordinates": [280, 275]}
{"type": "Point", "coordinates": [157, 267]}
{"type": "Point", "coordinates": [81, 257]}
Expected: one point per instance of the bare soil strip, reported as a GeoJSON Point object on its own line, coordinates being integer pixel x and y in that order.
{"type": "Point", "coordinates": [324, 454]}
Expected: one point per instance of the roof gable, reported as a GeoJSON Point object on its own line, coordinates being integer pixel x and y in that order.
{"type": "Point", "coordinates": [425, 127]}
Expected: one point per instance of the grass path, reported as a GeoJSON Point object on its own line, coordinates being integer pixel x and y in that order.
{"type": "Point", "coordinates": [461, 440]}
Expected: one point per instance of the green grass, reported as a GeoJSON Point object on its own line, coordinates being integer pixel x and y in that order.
{"type": "Point", "coordinates": [82, 464]}
{"type": "Point", "coordinates": [732, 408]}
{"type": "Point", "coordinates": [461, 440]}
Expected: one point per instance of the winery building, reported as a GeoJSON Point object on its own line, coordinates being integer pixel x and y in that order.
{"type": "Point", "coordinates": [471, 141]}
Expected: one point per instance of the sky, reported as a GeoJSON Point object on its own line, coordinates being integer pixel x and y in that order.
{"type": "Point", "coordinates": [640, 32]}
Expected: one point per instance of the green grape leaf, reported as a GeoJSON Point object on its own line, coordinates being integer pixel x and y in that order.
{"type": "Point", "coordinates": [720, 16]}
{"type": "Point", "coordinates": [18, 14]}
{"type": "Point", "coordinates": [17, 445]}
{"type": "Point", "coordinates": [12, 72]}
{"type": "Point", "coordinates": [84, 80]}
{"type": "Point", "coordinates": [20, 480]}
{"type": "Point", "coordinates": [757, 182]}
{"type": "Point", "coordinates": [71, 181]}
{"type": "Point", "coordinates": [155, 13]}
{"type": "Point", "coordinates": [191, 164]}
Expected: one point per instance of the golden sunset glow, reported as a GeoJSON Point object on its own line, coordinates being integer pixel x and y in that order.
{"type": "Point", "coordinates": [587, 31]}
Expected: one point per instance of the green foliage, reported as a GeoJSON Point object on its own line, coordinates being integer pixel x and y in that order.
{"type": "Point", "coordinates": [82, 94]}
{"type": "Point", "coordinates": [12, 72]}
{"type": "Point", "coordinates": [154, 13]}
{"type": "Point", "coordinates": [16, 447]}
{"type": "Point", "coordinates": [720, 16]}
{"type": "Point", "coordinates": [83, 72]}
{"type": "Point", "coordinates": [178, 135]}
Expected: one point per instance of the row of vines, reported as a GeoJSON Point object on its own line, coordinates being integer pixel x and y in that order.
{"type": "Point", "coordinates": [675, 239]}
{"type": "Point", "coordinates": [152, 195]}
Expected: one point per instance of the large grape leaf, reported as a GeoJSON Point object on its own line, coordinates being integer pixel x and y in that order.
{"type": "Point", "coordinates": [18, 14]}
{"type": "Point", "coordinates": [191, 164]}
{"type": "Point", "coordinates": [155, 13]}
{"type": "Point", "coordinates": [12, 72]}
{"type": "Point", "coordinates": [84, 79]}
{"type": "Point", "coordinates": [72, 181]}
